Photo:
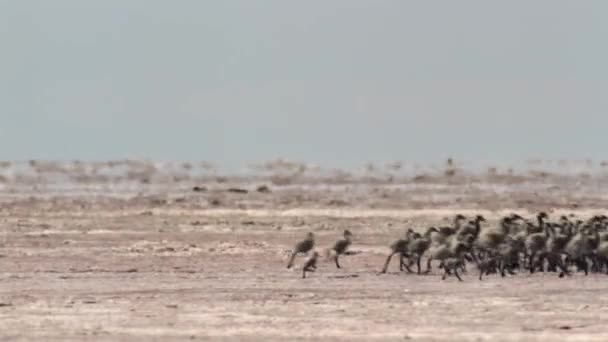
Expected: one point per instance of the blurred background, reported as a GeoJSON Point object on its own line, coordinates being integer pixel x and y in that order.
{"type": "Point", "coordinates": [338, 83]}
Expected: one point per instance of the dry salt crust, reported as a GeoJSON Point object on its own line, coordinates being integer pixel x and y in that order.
{"type": "Point", "coordinates": [131, 271]}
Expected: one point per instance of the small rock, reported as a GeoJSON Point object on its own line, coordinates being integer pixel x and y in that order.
{"type": "Point", "coordinates": [263, 189]}
{"type": "Point", "coordinates": [237, 190]}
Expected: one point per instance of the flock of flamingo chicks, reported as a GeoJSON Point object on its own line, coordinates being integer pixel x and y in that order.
{"type": "Point", "coordinates": [516, 244]}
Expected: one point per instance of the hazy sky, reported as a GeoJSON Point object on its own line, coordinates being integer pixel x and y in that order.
{"type": "Point", "coordinates": [334, 82]}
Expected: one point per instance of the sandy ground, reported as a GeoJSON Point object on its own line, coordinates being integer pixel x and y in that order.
{"type": "Point", "coordinates": [168, 265]}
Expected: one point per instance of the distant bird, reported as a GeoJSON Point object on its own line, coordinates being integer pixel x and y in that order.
{"type": "Point", "coordinates": [400, 247]}
{"type": "Point", "coordinates": [419, 244]}
{"type": "Point", "coordinates": [458, 219]}
{"type": "Point", "coordinates": [472, 228]}
{"type": "Point", "coordinates": [490, 238]}
{"type": "Point", "coordinates": [451, 265]}
{"type": "Point", "coordinates": [303, 246]}
{"type": "Point", "coordinates": [444, 252]}
{"type": "Point", "coordinates": [341, 246]}
{"type": "Point", "coordinates": [310, 265]}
